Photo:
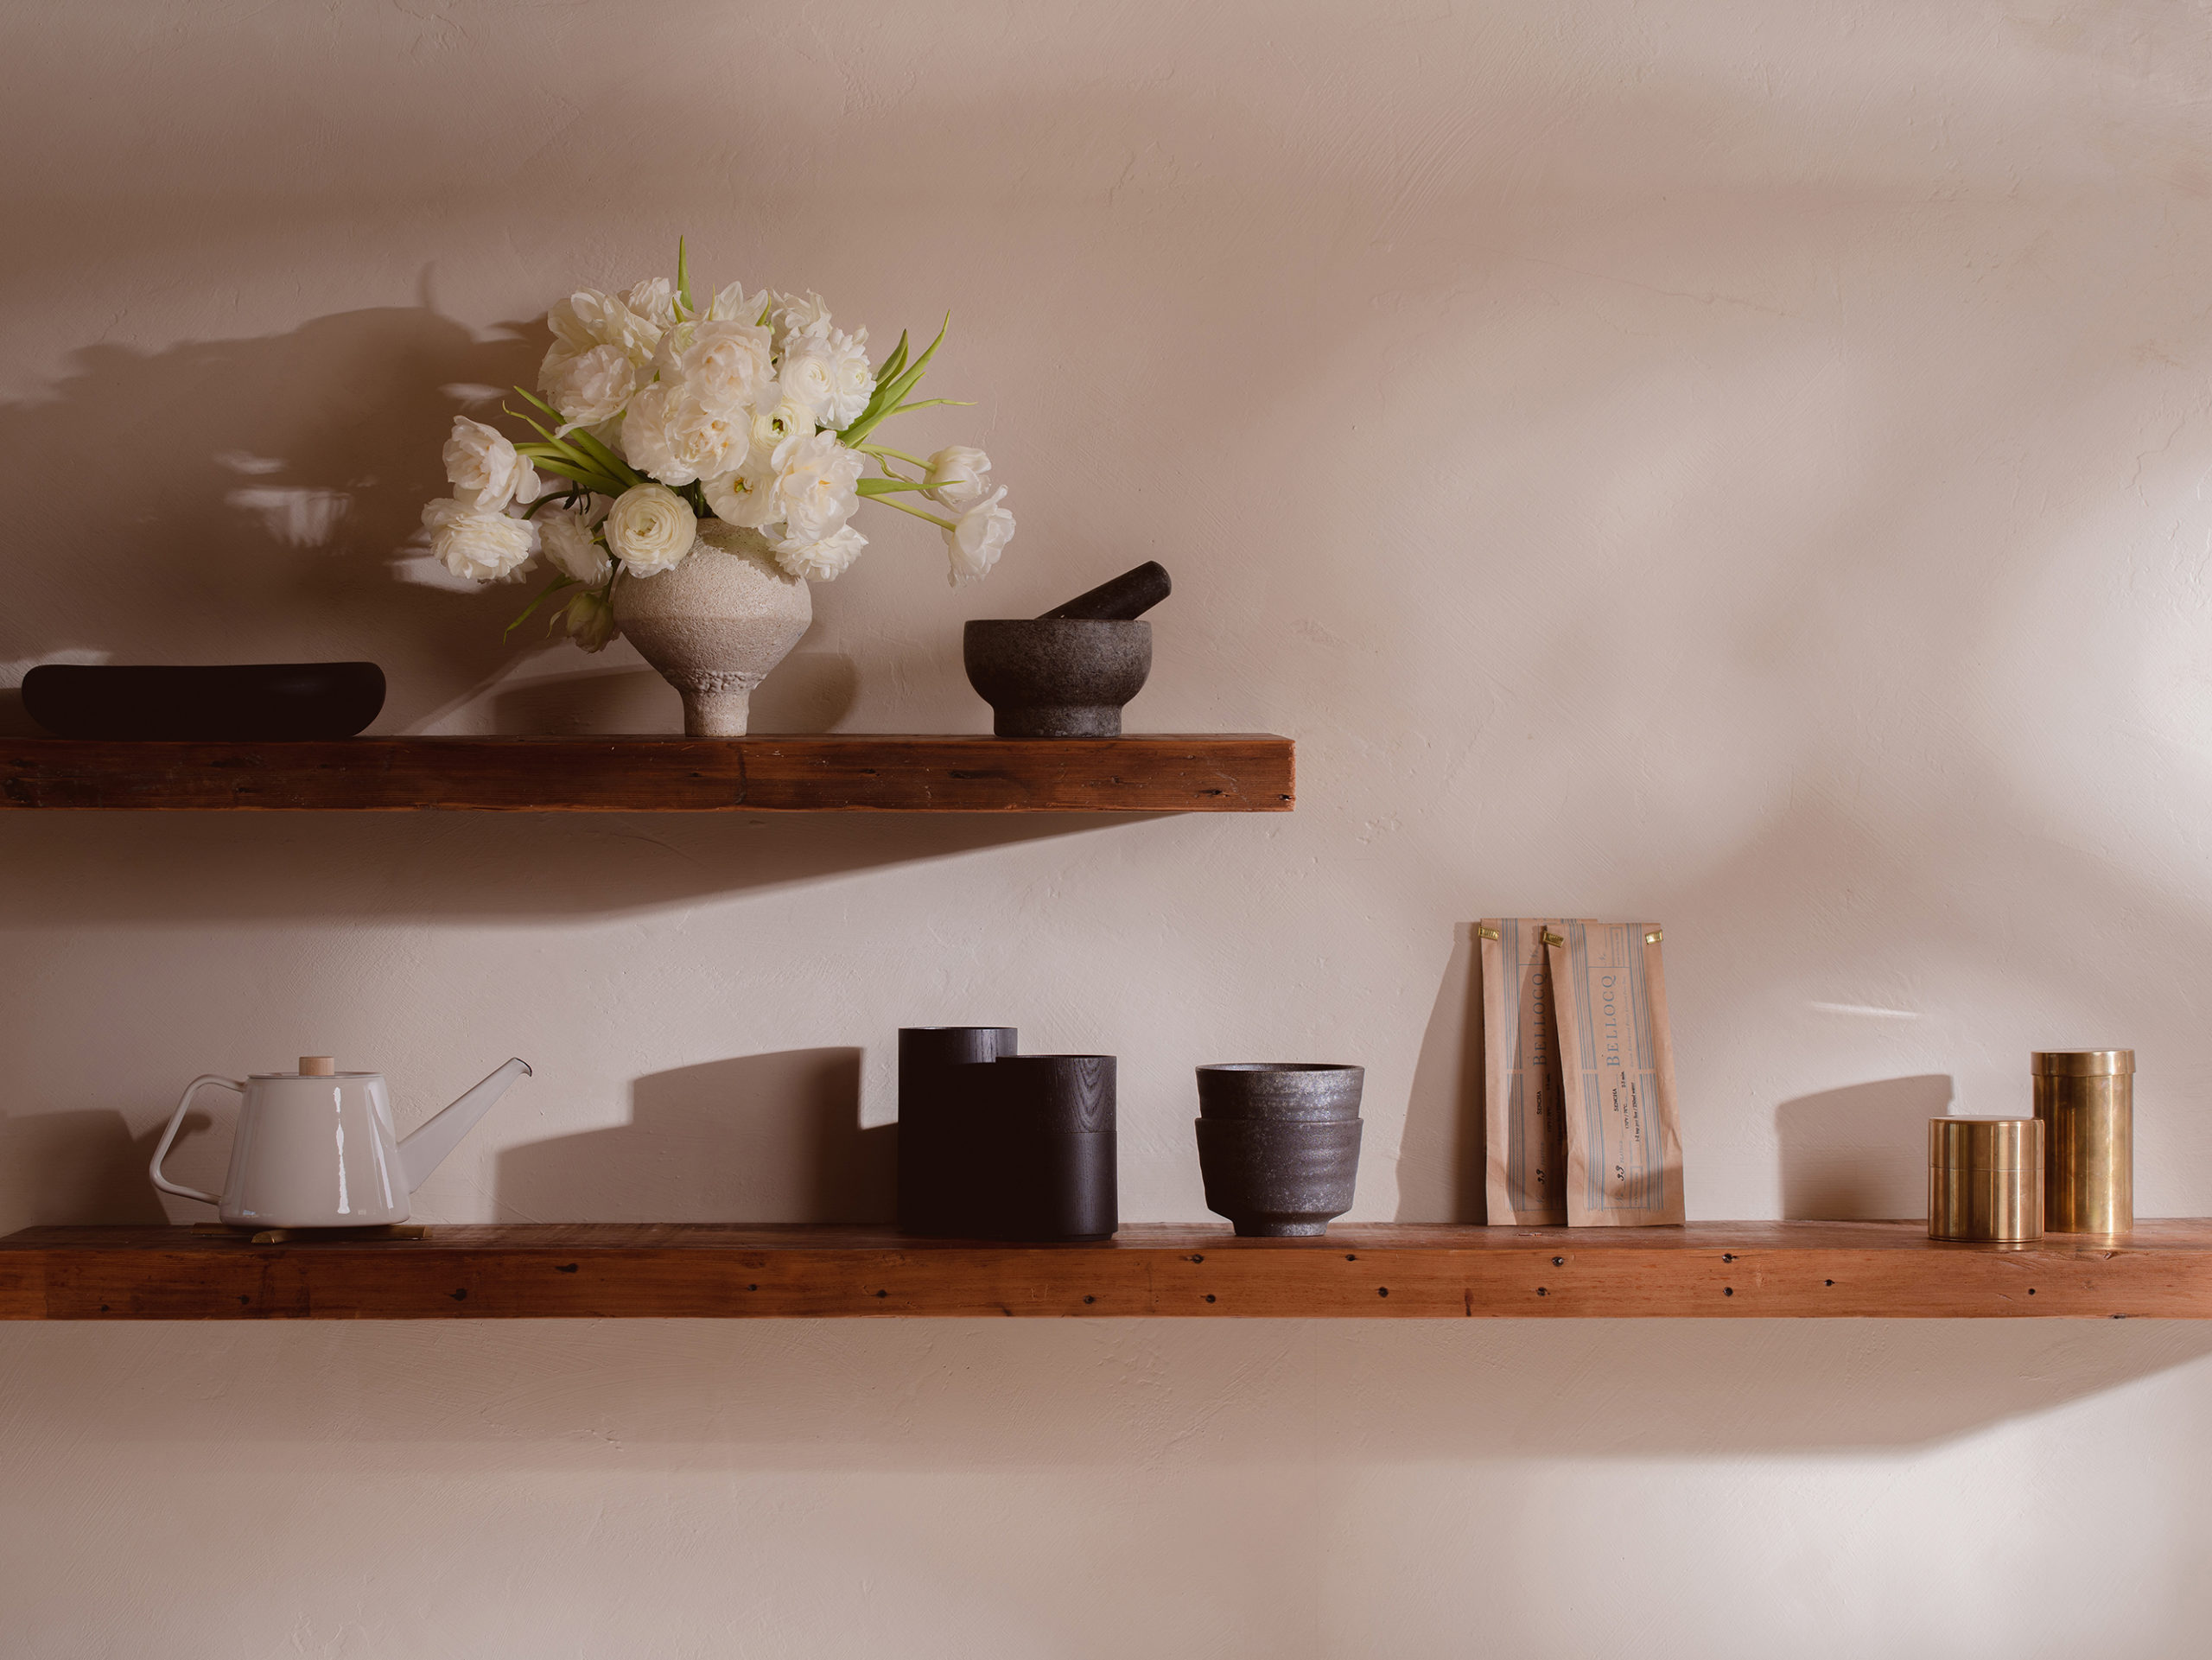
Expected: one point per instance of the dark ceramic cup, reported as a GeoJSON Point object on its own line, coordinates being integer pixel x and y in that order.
{"type": "Point", "coordinates": [1279, 1178]}
{"type": "Point", "coordinates": [1057, 677]}
{"type": "Point", "coordinates": [1300, 1091]}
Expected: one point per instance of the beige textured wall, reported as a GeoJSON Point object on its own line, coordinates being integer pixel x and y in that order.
{"type": "Point", "coordinates": [1742, 464]}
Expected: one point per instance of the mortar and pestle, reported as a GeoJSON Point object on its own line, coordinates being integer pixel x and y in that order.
{"type": "Point", "coordinates": [1067, 673]}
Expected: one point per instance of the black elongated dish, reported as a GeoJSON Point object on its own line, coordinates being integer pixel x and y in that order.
{"type": "Point", "coordinates": [221, 702]}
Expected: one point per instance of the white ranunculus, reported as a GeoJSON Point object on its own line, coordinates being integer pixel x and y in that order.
{"type": "Point", "coordinates": [567, 543]}
{"type": "Point", "coordinates": [796, 314]}
{"type": "Point", "coordinates": [827, 373]}
{"type": "Point", "coordinates": [654, 300]}
{"type": "Point", "coordinates": [477, 542]}
{"type": "Point", "coordinates": [814, 492]}
{"type": "Point", "coordinates": [775, 428]}
{"type": "Point", "coordinates": [723, 366]}
{"type": "Point", "coordinates": [955, 476]}
{"type": "Point", "coordinates": [821, 561]}
{"type": "Point", "coordinates": [483, 468]}
{"type": "Point", "coordinates": [667, 433]}
{"type": "Point", "coordinates": [650, 528]}
{"type": "Point", "coordinates": [977, 540]}
{"type": "Point", "coordinates": [589, 318]}
{"type": "Point", "coordinates": [590, 621]}
{"type": "Point", "coordinates": [588, 386]}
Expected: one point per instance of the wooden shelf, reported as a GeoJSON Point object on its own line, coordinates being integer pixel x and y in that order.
{"type": "Point", "coordinates": [597, 1271]}
{"type": "Point", "coordinates": [836, 773]}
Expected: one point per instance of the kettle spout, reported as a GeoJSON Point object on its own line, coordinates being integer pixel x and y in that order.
{"type": "Point", "coordinates": [426, 1149]}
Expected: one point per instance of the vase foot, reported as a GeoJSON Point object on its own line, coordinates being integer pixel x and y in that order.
{"type": "Point", "coordinates": [716, 712]}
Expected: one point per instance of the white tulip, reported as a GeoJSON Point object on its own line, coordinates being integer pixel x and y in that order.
{"type": "Point", "coordinates": [668, 434]}
{"type": "Point", "coordinates": [821, 561]}
{"type": "Point", "coordinates": [814, 492]}
{"type": "Point", "coordinates": [654, 300]}
{"type": "Point", "coordinates": [476, 542]}
{"type": "Point", "coordinates": [724, 366]}
{"type": "Point", "coordinates": [796, 314]}
{"type": "Point", "coordinates": [483, 468]}
{"type": "Point", "coordinates": [827, 373]}
{"type": "Point", "coordinates": [746, 495]}
{"type": "Point", "coordinates": [650, 528]}
{"type": "Point", "coordinates": [734, 304]}
{"type": "Point", "coordinates": [588, 387]}
{"type": "Point", "coordinates": [977, 540]}
{"type": "Point", "coordinates": [589, 318]}
{"type": "Point", "coordinates": [955, 476]}
{"type": "Point", "coordinates": [590, 621]}
{"type": "Point", "coordinates": [567, 543]}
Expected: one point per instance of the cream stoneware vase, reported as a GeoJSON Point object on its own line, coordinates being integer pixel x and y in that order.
{"type": "Point", "coordinates": [715, 624]}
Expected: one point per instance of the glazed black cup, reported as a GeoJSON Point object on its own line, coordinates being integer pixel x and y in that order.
{"type": "Point", "coordinates": [1301, 1090]}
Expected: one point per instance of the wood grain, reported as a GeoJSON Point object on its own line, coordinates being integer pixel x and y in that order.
{"type": "Point", "coordinates": [1705, 1270]}
{"type": "Point", "coordinates": [832, 773]}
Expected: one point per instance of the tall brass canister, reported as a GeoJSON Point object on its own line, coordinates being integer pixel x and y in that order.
{"type": "Point", "coordinates": [1985, 1181]}
{"type": "Point", "coordinates": [2085, 1098]}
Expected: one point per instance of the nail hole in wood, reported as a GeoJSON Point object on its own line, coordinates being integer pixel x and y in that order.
{"type": "Point", "coordinates": [1348, 1257]}
{"type": "Point", "coordinates": [1382, 1290]}
{"type": "Point", "coordinates": [1727, 1290]}
{"type": "Point", "coordinates": [566, 1268]}
{"type": "Point", "coordinates": [1208, 1296]}
{"type": "Point", "coordinates": [883, 1294]}
{"type": "Point", "coordinates": [1542, 1292]}
{"type": "Point", "coordinates": [462, 1296]}
{"type": "Point", "coordinates": [1091, 1300]}
{"type": "Point", "coordinates": [1828, 1282]}
{"type": "Point", "coordinates": [1198, 1259]}
{"type": "Point", "coordinates": [2031, 1291]}
{"type": "Point", "coordinates": [1727, 1256]}
{"type": "Point", "coordinates": [1559, 1261]}
{"type": "Point", "coordinates": [752, 1288]}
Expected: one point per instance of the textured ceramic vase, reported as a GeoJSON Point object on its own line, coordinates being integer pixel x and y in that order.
{"type": "Point", "coordinates": [715, 624]}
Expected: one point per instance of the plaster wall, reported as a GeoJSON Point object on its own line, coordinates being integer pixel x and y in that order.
{"type": "Point", "coordinates": [1738, 466]}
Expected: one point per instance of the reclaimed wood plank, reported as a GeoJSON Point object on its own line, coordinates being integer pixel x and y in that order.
{"type": "Point", "coordinates": [828, 772]}
{"type": "Point", "coordinates": [1709, 1269]}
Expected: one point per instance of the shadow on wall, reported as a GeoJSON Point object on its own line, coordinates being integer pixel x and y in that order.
{"type": "Point", "coordinates": [965, 1394]}
{"type": "Point", "coordinates": [1859, 1154]}
{"type": "Point", "coordinates": [1440, 1150]}
{"type": "Point", "coordinates": [86, 1166]}
{"type": "Point", "coordinates": [455, 867]}
{"type": "Point", "coordinates": [761, 1138]}
{"type": "Point", "coordinates": [274, 487]}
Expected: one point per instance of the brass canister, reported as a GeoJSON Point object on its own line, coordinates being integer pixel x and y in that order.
{"type": "Point", "coordinates": [2086, 1099]}
{"type": "Point", "coordinates": [1985, 1179]}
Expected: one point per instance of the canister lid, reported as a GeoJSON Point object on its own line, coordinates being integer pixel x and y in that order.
{"type": "Point", "coordinates": [2082, 1063]}
{"type": "Point", "coordinates": [1985, 1143]}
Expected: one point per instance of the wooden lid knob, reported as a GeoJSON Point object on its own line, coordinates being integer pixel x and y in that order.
{"type": "Point", "coordinates": [317, 1066]}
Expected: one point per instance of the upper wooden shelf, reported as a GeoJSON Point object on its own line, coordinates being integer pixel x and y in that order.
{"type": "Point", "coordinates": [599, 1271]}
{"type": "Point", "coordinates": [835, 773]}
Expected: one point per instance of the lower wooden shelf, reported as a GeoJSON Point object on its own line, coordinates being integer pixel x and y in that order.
{"type": "Point", "coordinates": [599, 1271]}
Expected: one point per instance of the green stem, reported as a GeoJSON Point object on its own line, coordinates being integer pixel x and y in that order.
{"type": "Point", "coordinates": [885, 501]}
{"type": "Point", "coordinates": [896, 455]}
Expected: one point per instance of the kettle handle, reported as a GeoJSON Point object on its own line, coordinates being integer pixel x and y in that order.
{"type": "Point", "coordinates": [176, 1122]}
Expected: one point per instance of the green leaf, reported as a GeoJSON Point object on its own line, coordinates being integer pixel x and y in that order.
{"type": "Point", "coordinates": [932, 403]}
{"type": "Point", "coordinates": [582, 472]}
{"type": "Point", "coordinates": [605, 459]}
{"type": "Point", "coordinates": [888, 486]}
{"type": "Point", "coordinates": [895, 362]}
{"type": "Point", "coordinates": [544, 594]}
{"type": "Point", "coordinates": [683, 276]}
{"type": "Point", "coordinates": [889, 392]}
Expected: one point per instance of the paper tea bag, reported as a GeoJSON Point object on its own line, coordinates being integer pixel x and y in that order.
{"type": "Point", "coordinates": [1623, 1152]}
{"type": "Point", "coordinates": [1524, 1136]}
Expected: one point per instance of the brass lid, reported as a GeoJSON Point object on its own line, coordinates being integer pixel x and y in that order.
{"type": "Point", "coordinates": [2082, 1063]}
{"type": "Point", "coordinates": [1985, 1144]}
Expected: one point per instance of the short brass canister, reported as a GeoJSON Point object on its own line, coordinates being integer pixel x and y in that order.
{"type": "Point", "coordinates": [2086, 1099]}
{"type": "Point", "coordinates": [1985, 1179]}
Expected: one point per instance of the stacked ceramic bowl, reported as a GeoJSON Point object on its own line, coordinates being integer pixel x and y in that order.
{"type": "Point", "coordinates": [1278, 1143]}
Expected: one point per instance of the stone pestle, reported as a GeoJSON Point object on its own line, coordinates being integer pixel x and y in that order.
{"type": "Point", "coordinates": [1127, 597]}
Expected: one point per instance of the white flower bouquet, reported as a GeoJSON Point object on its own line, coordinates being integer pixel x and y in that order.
{"type": "Point", "coordinates": [751, 409]}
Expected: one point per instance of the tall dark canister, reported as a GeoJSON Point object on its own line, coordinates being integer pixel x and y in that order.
{"type": "Point", "coordinates": [942, 1108]}
{"type": "Point", "coordinates": [2086, 1099]}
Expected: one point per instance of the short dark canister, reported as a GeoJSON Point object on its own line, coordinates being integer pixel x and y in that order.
{"type": "Point", "coordinates": [1047, 1162]}
{"type": "Point", "coordinates": [943, 1109]}
{"type": "Point", "coordinates": [1279, 1144]}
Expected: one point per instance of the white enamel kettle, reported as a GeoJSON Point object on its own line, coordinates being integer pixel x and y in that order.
{"type": "Point", "coordinates": [316, 1148]}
